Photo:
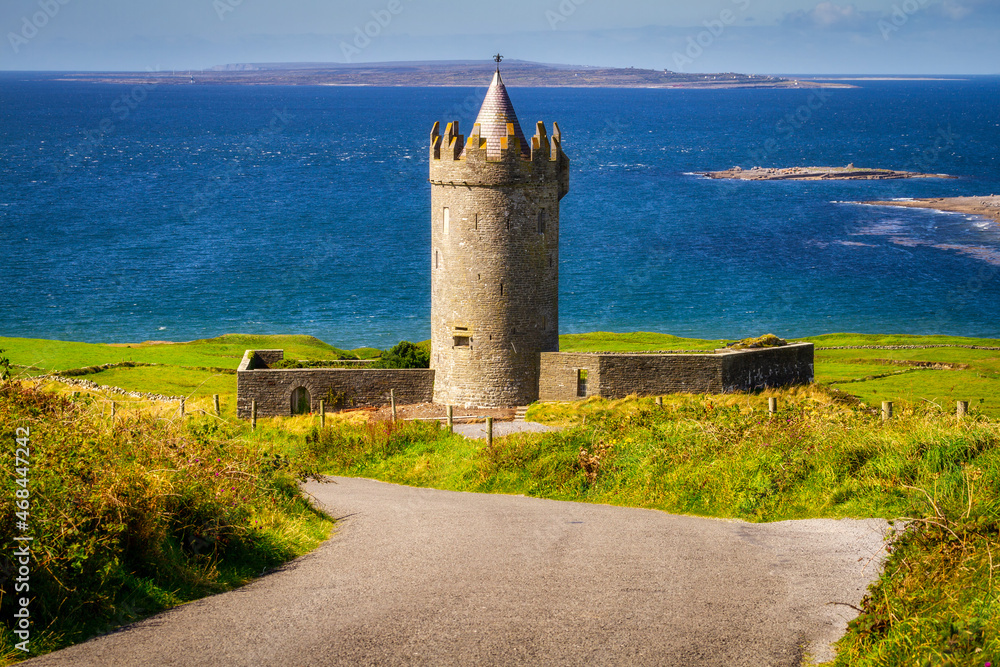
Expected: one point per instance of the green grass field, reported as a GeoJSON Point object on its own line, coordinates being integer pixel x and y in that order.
{"type": "Point", "coordinates": [979, 384]}
{"type": "Point", "coordinates": [222, 352]}
{"type": "Point", "coordinates": [841, 339]}
{"type": "Point", "coordinates": [182, 369]}
{"type": "Point", "coordinates": [169, 381]}
{"type": "Point", "coordinates": [855, 371]}
{"type": "Point", "coordinates": [632, 342]}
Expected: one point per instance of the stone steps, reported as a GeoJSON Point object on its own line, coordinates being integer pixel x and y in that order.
{"type": "Point", "coordinates": [520, 413]}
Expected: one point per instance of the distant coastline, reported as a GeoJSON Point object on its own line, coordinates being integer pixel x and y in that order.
{"type": "Point", "coordinates": [445, 74]}
{"type": "Point", "coordinates": [987, 207]}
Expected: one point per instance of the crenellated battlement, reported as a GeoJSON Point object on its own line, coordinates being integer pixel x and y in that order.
{"type": "Point", "coordinates": [446, 146]}
{"type": "Point", "coordinates": [541, 145]}
{"type": "Point", "coordinates": [453, 146]}
{"type": "Point", "coordinates": [457, 160]}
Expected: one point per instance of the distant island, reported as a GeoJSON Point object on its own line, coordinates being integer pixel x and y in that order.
{"type": "Point", "coordinates": [444, 73]}
{"type": "Point", "coordinates": [848, 173]}
{"type": "Point", "coordinates": [988, 207]}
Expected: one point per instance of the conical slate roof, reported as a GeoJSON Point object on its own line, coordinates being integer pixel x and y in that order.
{"type": "Point", "coordinates": [496, 114]}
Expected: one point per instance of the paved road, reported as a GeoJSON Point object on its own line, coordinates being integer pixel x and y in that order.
{"type": "Point", "coordinates": [423, 577]}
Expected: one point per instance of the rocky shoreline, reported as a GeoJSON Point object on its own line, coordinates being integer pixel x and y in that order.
{"type": "Point", "coordinates": [988, 207]}
{"type": "Point", "coordinates": [848, 173]}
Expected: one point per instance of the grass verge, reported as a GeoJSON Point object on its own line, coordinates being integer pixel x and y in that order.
{"type": "Point", "coordinates": [137, 513]}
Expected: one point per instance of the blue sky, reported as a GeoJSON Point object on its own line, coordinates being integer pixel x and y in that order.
{"type": "Point", "coordinates": [750, 36]}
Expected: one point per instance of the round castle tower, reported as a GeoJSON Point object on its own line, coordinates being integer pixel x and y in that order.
{"type": "Point", "coordinates": [495, 255]}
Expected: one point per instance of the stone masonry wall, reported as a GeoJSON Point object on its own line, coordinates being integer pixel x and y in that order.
{"type": "Point", "coordinates": [264, 359]}
{"type": "Point", "coordinates": [751, 370]}
{"type": "Point", "coordinates": [653, 374]}
{"type": "Point", "coordinates": [272, 388]}
{"type": "Point", "coordinates": [561, 373]}
{"type": "Point", "coordinates": [620, 375]}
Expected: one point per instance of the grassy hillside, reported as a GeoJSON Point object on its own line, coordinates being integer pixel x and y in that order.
{"type": "Point", "coordinates": [873, 375]}
{"type": "Point", "coordinates": [195, 370]}
{"type": "Point", "coordinates": [137, 512]}
{"type": "Point", "coordinates": [222, 352]}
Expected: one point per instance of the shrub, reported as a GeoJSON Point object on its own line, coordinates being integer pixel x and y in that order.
{"type": "Point", "coordinates": [405, 355]}
{"type": "Point", "coordinates": [767, 340]}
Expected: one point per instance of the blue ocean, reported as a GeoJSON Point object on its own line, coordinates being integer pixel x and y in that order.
{"type": "Point", "coordinates": [133, 213]}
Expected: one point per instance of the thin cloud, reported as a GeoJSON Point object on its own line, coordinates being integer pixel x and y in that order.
{"type": "Point", "coordinates": [829, 16]}
{"type": "Point", "coordinates": [956, 11]}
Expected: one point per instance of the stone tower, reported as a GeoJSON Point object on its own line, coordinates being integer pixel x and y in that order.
{"type": "Point", "coordinates": [495, 255]}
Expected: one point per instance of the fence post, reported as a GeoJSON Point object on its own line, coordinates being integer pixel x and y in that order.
{"type": "Point", "coordinates": [253, 414]}
{"type": "Point", "coordinates": [392, 399]}
{"type": "Point", "coordinates": [113, 409]}
{"type": "Point", "coordinates": [963, 409]}
{"type": "Point", "coordinates": [322, 414]}
{"type": "Point", "coordinates": [659, 401]}
{"type": "Point", "coordinates": [181, 410]}
{"type": "Point", "coordinates": [886, 410]}
{"type": "Point", "coordinates": [772, 405]}
{"type": "Point", "coordinates": [451, 419]}
{"type": "Point", "coordinates": [218, 407]}
{"type": "Point", "coordinates": [489, 432]}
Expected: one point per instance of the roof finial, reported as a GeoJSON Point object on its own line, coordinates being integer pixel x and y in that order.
{"type": "Point", "coordinates": [498, 59]}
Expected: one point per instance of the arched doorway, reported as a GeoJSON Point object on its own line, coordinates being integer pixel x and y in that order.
{"type": "Point", "coordinates": [300, 401]}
